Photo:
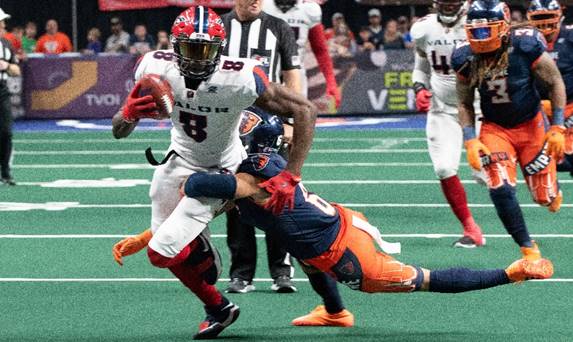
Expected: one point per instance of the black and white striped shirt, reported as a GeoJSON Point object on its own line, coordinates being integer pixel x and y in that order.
{"type": "Point", "coordinates": [6, 54]}
{"type": "Point", "coordinates": [266, 38]}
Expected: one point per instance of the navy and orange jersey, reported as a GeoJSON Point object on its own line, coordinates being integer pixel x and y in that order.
{"type": "Point", "coordinates": [562, 53]}
{"type": "Point", "coordinates": [512, 98]}
{"type": "Point", "coordinates": [308, 230]}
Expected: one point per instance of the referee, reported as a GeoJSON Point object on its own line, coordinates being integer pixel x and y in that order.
{"type": "Point", "coordinates": [8, 67]}
{"type": "Point", "coordinates": [251, 33]}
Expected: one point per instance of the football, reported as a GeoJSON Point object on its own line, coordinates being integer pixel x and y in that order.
{"type": "Point", "coordinates": [159, 88]}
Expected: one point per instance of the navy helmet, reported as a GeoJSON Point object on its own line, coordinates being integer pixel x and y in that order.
{"type": "Point", "coordinates": [546, 16]}
{"type": "Point", "coordinates": [260, 131]}
{"type": "Point", "coordinates": [487, 25]}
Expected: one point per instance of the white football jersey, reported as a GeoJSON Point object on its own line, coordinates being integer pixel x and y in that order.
{"type": "Point", "coordinates": [206, 121]}
{"type": "Point", "coordinates": [438, 42]}
{"type": "Point", "coordinates": [301, 18]}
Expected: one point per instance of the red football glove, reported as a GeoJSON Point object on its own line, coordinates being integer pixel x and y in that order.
{"type": "Point", "coordinates": [333, 91]}
{"type": "Point", "coordinates": [423, 97]}
{"type": "Point", "coordinates": [139, 107]}
{"type": "Point", "coordinates": [282, 188]}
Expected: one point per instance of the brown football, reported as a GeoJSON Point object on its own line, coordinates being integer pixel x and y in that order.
{"type": "Point", "coordinates": [159, 88]}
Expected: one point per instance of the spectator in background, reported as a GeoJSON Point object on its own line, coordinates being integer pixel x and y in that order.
{"type": "Point", "coordinates": [15, 38]}
{"type": "Point", "coordinates": [365, 45]}
{"type": "Point", "coordinates": [517, 16]}
{"type": "Point", "coordinates": [392, 37]}
{"type": "Point", "coordinates": [340, 39]}
{"type": "Point", "coordinates": [119, 39]}
{"type": "Point", "coordinates": [375, 27]}
{"type": "Point", "coordinates": [29, 38]}
{"type": "Point", "coordinates": [404, 29]}
{"type": "Point", "coordinates": [140, 41]}
{"type": "Point", "coordinates": [53, 42]}
{"type": "Point", "coordinates": [163, 42]}
{"type": "Point", "coordinates": [94, 45]}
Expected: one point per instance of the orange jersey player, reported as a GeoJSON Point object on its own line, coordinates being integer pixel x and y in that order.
{"type": "Point", "coordinates": [503, 64]}
{"type": "Point", "coordinates": [335, 240]}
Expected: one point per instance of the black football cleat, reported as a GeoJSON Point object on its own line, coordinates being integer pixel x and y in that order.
{"type": "Point", "coordinates": [283, 284]}
{"type": "Point", "coordinates": [217, 320]}
{"type": "Point", "coordinates": [7, 181]}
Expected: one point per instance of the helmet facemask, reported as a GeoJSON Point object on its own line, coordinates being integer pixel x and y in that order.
{"type": "Point", "coordinates": [285, 5]}
{"type": "Point", "coordinates": [197, 58]}
{"type": "Point", "coordinates": [546, 21]}
{"type": "Point", "coordinates": [449, 11]}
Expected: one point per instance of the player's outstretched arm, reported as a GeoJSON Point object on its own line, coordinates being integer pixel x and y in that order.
{"type": "Point", "coordinates": [281, 101]}
{"type": "Point", "coordinates": [547, 72]}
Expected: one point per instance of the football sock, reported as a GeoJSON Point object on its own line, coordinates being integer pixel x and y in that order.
{"type": "Point", "coordinates": [208, 294]}
{"type": "Point", "coordinates": [510, 214]}
{"type": "Point", "coordinates": [456, 280]}
{"type": "Point", "coordinates": [456, 197]}
{"type": "Point", "coordinates": [325, 286]}
{"type": "Point", "coordinates": [161, 261]}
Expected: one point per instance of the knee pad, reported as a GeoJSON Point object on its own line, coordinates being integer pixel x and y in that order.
{"type": "Point", "coordinates": [543, 187]}
{"type": "Point", "coordinates": [348, 270]}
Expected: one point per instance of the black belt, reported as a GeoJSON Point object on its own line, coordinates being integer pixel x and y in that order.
{"type": "Point", "coordinates": [151, 159]}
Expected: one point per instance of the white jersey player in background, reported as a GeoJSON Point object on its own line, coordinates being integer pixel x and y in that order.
{"type": "Point", "coordinates": [435, 36]}
{"type": "Point", "coordinates": [209, 92]}
{"type": "Point", "coordinates": [305, 19]}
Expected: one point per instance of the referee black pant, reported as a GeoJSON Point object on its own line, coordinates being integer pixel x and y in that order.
{"type": "Point", "coordinates": [243, 246]}
{"type": "Point", "coordinates": [5, 131]}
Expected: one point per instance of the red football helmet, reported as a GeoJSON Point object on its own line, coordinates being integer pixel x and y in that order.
{"type": "Point", "coordinates": [198, 38]}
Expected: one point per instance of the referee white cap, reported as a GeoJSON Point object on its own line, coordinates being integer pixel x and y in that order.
{"type": "Point", "coordinates": [4, 15]}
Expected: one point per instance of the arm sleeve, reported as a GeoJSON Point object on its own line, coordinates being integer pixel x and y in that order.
{"type": "Point", "coordinates": [318, 45]}
{"type": "Point", "coordinates": [422, 70]}
{"type": "Point", "coordinates": [288, 48]}
{"type": "Point", "coordinates": [261, 80]}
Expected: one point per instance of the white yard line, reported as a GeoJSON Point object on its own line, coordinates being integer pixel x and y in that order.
{"type": "Point", "coordinates": [149, 280]}
{"type": "Point", "coordinates": [167, 140]}
{"type": "Point", "coordinates": [131, 166]}
{"type": "Point", "coordinates": [220, 236]}
{"type": "Point", "coordinates": [124, 152]}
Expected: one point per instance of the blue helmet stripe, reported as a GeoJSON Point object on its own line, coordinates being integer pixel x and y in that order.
{"type": "Point", "coordinates": [206, 21]}
{"type": "Point", "coordinates": [196, 19]}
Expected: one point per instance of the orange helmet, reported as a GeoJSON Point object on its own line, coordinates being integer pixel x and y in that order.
{"type": "Point", "coordinates": [487, 25]}
{"type": "Point", "coordinates": [545, 15]}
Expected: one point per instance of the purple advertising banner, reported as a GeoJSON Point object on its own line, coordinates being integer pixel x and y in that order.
{"type": "Point", "coordinates": [77, 87]}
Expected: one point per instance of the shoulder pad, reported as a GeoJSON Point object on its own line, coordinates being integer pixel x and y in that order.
{"type": "Point", "coordinates": [153, 62]}
{"type": "Point", "coordinates": [529, 41]}
{"type": "Point", "coordinates": [263, 165]}
{"type": "Point", "coordinates": [461, 56]}
{"type": "Point", "coordinates": [313, 11]}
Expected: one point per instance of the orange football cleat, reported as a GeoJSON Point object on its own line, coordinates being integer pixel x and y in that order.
{"type": "Point", "coordinates": [320, 317]}
{"type": "Point", "coordinates": [524, 269]}
{"type": "Point", "coordinates": [556, 204]}
{"type": "Point", "coordinates": [531, 253]}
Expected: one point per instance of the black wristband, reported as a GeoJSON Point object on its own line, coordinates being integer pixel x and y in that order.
{"type": "Point", "coordinates": [419, 86]}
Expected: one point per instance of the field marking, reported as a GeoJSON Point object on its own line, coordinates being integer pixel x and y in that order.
{"type": "Point", "coordinates": [124, 152]}
{"type": "Point", "coordinates": [220, 236]}
{"type": "Point", "coordinates": [402, 140]}
{"type": "Point", "coordinates": [122, 183]}
{"type": "Point", "coordinates": [142, 280]}
{"type": "Point", "coordinates": [60, 206]}
{"type": "Point", "coordinates": [135, 166]}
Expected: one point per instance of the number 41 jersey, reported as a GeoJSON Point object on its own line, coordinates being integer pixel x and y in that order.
{"type": "Point", "coordinates": [438, 41]}
{"type": "Point", "coordinates": [206, 121]}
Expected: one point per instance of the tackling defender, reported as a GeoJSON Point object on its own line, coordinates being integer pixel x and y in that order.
{"type": "Point", "coordinates": [338, 241]}
{"type": "Point", "coordinates": [210, 92]}
{"type": "Point", "coordinates": [503, 63]}
{"type": "Point", "coordinates": [435, 36]}
{"type": "Point", "coordinates": [547, 17]}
